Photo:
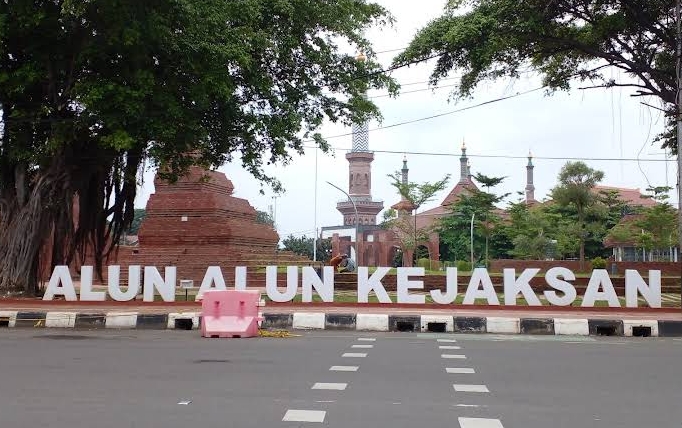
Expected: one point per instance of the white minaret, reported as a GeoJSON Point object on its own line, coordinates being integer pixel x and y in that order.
{"type": "Point", "coordinates": [360, 177]}
{"type": "Point", "coordinates": [530, 188]}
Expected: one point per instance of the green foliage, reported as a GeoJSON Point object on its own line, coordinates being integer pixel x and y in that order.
{"type": "Point", "coordinates": [303, 246]}
{"type": "Point", "coordinates": [405, 227]}
{"type": "Point", "coordinates": [455, 229]}
{"type": "Point", "coordinates": [463, 266]}
{"type": "Point", "coordinates": [598, 263]}
{"type": "Point", "coordinates": [424, 263]}
{"type": "Point", "coordinates": [139, 216]}
{"type": "Point", "coordinates": [415, 193]}
{"type": "Point", "coordinates": [388, 217]}
{"type": "Point", "coordinates": [563, 40]}
{"type": "Point", "coordinates": [92, 91]}
{"type": "Point", "coordinates": [263, 217]}
{"type": "Point", "coordinates": [575, 189]}
{"type": "Point", "coordinates": [659, 226]}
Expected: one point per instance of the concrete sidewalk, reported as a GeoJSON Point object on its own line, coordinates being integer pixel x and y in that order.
{"type": "Point", "coordinates": [368, 317]}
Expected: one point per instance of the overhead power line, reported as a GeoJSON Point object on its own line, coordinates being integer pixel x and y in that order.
{"type": "Point", "coordinates": [449, 154]}
{"type": "Point", "coordinates": [421, 119]}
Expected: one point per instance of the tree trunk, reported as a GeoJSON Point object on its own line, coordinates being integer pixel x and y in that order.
{"type": "Point", "coordinates": [23, 236]}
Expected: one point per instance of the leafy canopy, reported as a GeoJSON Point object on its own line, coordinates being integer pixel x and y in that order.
{"type": "Point", "coordinates": [92, 92]}
{"type": "Point", "coordinates": [563, 40]}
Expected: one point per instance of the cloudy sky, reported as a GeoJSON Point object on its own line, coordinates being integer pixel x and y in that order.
{"type": "Point", "coordinates": [583, 124]}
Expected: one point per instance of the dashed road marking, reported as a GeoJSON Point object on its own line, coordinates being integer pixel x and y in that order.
{"type": "Point", "coordinates": [479, 423]}
{"type": "Point", "coordinates": [343, 368]}
{"type": "Point", "coordinates": [453, 356]}
{"type": "Point", "coordinates": [467, 405]}
{"type": "Point", "coordinates": [459, 370]}
{"type": "Point", "coordinates": [363, 346]}
{"type": "Point", "coordinates": [449, 347]}
{"type": "Point", "coordinates": [367, 339]}
{"type": "Point", "coordinates": [304, 416]}
{"type": "Point", "coordinates": [354, 355]}
{"type": "Point", "coordinates": [330, 386]}
{"type": "Point", "coordinates": [470, 388]}
{"type": "Point", "coordinates": [446, 340]}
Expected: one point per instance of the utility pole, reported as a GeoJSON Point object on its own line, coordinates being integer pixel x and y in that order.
{"type": "Point", "coordinates": [315, 210]}
{"type": "Point", "coordinates": [678, 113]}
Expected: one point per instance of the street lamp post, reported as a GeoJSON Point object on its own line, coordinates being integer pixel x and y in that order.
{"type": "Point", "coordinates": [472, 239]}
{"type": "Point", "coordinates": [357, 242]}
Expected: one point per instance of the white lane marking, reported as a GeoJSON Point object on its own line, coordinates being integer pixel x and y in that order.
{"type": "Point", "coordinates": [459, 370]}
{"type": "Point", "coordinates": [449, 347]}
{"type": "Point", "coordinates": [468, 405]}
{"type": "Point", "coordinates": [330, 386]}
{"type": "Point", "coordinates": [453, 356]}
{"type": "Point", "coordinates": [304, 416]}
{"type": "Point", "coordinates": [363, 346]}
{"type": "Point", "coordinates": [367, 339]}
{"type": "Point", "coordinates": [326, 401]}
{"type": "Point", "coordinates": [446, 340]}
{"type": "Point", "coordinates": [479, 423]}
{"type": "Point", "coordinates": [185, 402]}
{"type": "Point", "coordinates": [343, 368]}
{"type": "Point", "coordinates": [470, 388]}
{"type": "Point", "coordinates": [354, 355]}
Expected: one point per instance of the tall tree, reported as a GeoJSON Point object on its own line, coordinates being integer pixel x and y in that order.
{"type": "Point", "coordinates": [575, 189]}
{"type": "Point", "coordinates": [563, 40]}
{"type": "Point", "coordinates": [90, 91]}
{"type": "Point", "coordinates": [454, 229]}
{"type": "Point", "coordinates": [489, 226]}
{"type": "Point", "coordinates": [416, 194]}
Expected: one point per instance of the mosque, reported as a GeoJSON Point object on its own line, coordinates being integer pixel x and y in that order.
{"type": "Point", "coordinates": [371, 245]}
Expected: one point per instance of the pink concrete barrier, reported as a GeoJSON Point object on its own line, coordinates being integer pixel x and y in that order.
{"type": "Point", "coordinates": [230, 313]}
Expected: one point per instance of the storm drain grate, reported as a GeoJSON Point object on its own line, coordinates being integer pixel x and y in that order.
{"type": "Point", "coordinates": [184, 324]}
{"type": "Point", "coordinates": [606, 330]}
{"type": "Point", "coordinates": [641, 331]}
{"type": "Point", "coordinates": [436, 327]}
{"type": "Point", "coordinates": [405, 326]}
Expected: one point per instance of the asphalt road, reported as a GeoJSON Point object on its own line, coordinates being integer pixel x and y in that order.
{"type": "Point", "coordinates": [68, 379]}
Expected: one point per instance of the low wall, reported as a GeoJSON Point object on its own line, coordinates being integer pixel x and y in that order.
{"type": "Point", "coordinates": [666, 268]}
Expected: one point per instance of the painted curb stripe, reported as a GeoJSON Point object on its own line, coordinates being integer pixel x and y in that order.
{"type": "Point", "coordinates": [152, 321]}
{"type": "Point", "coordinates": [308, 321]}
{"type": "Point", "coordinates": [333, 321]}
{"type": "Point", "coordinates": [60, 320]}
{"type": "Point", "coordinates": [670, 328]}
{"type": "Point", "coordinates": [30, 319]}
{"type": "Point", "coordinates": [278, 321]}
{"type": "Point", "coordinates": [470, 325]}
{"type": "Point", "coordinates": [537, 326]}
{"type": "Point", "coordinates": [90, 320]}
{"type": "Point", "coordinates": [340, 321]}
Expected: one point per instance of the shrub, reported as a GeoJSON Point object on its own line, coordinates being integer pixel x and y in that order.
{"type": "Point", "coordinates": [598, 263]}
{"type": "Point", "coordinates": [463, 266]}
{"type": "Point", "coordinates": [424, 263]}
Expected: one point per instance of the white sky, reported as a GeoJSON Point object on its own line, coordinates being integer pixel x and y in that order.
{"type": "Point", "coordinates": [583, 124]}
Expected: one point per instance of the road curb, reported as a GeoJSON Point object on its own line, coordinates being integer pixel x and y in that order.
{"type": "Point", "coordinates": [352, 322]}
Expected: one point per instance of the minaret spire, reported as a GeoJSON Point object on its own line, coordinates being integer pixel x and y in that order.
{"type": "Point", "coordinates": [360, 175]}
{"type": "Point", "coordinates": [530, 187]}
{"type": "Point", "coordinates": [464, 165]}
